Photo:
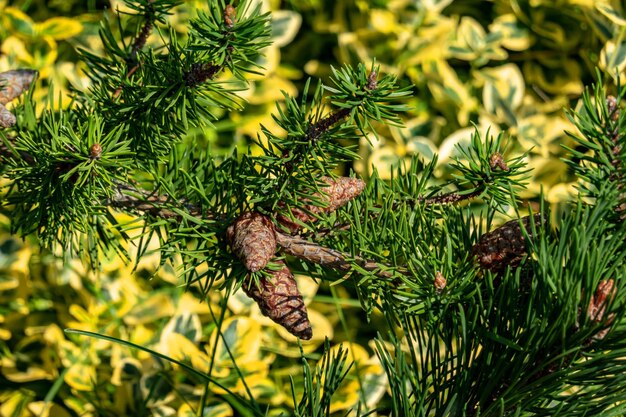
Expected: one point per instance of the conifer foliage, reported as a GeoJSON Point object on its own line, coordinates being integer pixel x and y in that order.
{"type": "Point", "coordinates": [525, 318]}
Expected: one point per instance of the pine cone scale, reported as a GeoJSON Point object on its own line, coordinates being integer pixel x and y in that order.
{"type": "Point", "coordinates": [504, 246]}
{"type": "Point", "coordinates": [338, 193]}
{"type": "Point", "coordinates": [253, 240]}
{"type": "Point", "coordinates": [278, 298]}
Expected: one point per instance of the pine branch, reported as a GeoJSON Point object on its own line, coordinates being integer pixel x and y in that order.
{"type": "Point", "coordinates": [327, 257]}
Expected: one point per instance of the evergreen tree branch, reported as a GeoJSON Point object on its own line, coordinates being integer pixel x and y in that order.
{"type": "Point", "coordinates": [327, 257]}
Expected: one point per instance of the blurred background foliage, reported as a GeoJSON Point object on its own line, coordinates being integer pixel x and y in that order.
{"type": "Point", "coordinates": [510, 66]}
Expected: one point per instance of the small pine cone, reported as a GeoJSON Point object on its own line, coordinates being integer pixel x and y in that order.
{"type": "Point", "coordinates": [338, 193]}
{"type": "Point", "coordinates": [7, 119]}
{"type": "Point", "coordinates": [251, 236]}
{"type": "Point", "coordinates": [279, 299]}
{"type": "Point", "coordinates": [504, 246]}
{"type": "Point", "coordinates": [14, 83]}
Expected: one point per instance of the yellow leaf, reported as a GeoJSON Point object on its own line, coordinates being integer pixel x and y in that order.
{"type": "Point", "coordinates": [383, 160]}
{"type": "Point", "coordinates": [435, 6]}
{"type": "Point", "coordinates": [47, 409]}
{"type": "Point", "coordinates": [610, 13]}
{"type": "Point", "coordinates": [243, 337]}
{"type": "Point", "coordinates": [59, 28]}
{"type": "Point", "coordinates": [14, 47]}
{"type": "Point", "coordinates": [17, 21]}
{"type": "Point", "coordinates": [146, 311]}
{"type": "Point", "coordinates": [613, 58]}
{"type": "Point", "coordinates": [5, 334]}
{"type": "Point", "coordinates": [285, 26]}
{"type": "Point", "coordinates": [514, 35]}
{"type": "Point", "coordinates": [12, 403]}
{"type": "Point", "coordinates": [126, 370]}
{"type": "Point", "coordinates": [447, 88]}
{"type": "Point", "coordinates": [561, 192]}
{"type": "Point", "coordinates": [430, 43]}
{"type": "Point", "coordinates": [384, 21]}
{"type": "Point", "coordinates": [26, 373]}
{"type": "Point", "coordinates": [270, 90]}
{"type": "Point", "coordinates": [180, 348]}
{"type": "Point", "coordinates": [559, 76]}
{"type": "Point", "coordinates": [221, 409]}
{"type": "Point", "coordinates": [503, 91]}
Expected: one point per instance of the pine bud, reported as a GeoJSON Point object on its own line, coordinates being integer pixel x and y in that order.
{"type": "Point", "coordinates": [7, 119]}
{"type": "Point", "coordinates": [371, 81]}
{"type": "Point", "coordinates": [13, 83]}
{"type": "Point", "coordinates": [440, 281]}
{"type": "Point", "coordinates": [504, 246]}
{"type": "Point", "coordinates": [338, 193]}
{"type": "Point", "coordinates": [279, 299]}
{"type": "Point", "coordinates": [497, 161]}
{"type": "Point", "coordinates": [251, 236]}
{"type": "Point", "coordinates": [95, 151]}
{"type": "Point", "coordinates": [612, 108]}
{"type": "Point", "coordinates": [229, 16]}
{"type": "Point", "coordinates": [597, 306]}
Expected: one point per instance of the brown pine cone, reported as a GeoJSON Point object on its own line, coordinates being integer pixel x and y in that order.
{"type": "Point", "coordinates": [15, 82]}
{"type": "Point", "coordinates": [279, 299]}
{"type": "Point", "coordinates": [252, 239]}
{"type": "Point", "coordinates": [504, 246]}
{"type": "Point", "coordinates": [7, 119]}
{"type": "Point", "coordinates": [12, 84]}
{"type": "Point", "coordinates": [338, 193]}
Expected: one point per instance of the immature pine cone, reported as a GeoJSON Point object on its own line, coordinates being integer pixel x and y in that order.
{"type": "Point", "coordinates": [279, 299]}
{"type": "Point", "coordinates": [339, 192]}
{"type": "Point", "coordinates": [504, 246]}
{"type": "Point", "coordinates": [252, 239]}
{"type": "Point", "coordinates": [12, 84]}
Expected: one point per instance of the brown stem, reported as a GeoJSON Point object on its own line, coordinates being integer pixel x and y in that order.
{"type": "Point", "coordinates": [316, 129]}
{"type": "Point", "coordinates": [449, 198]}
{"type": "Point", "coordinates": [313, 133]}
{"type": "Point", "coordinates": [140, 42]}
{"type": "Point", "coordinates": [130, 198]}
{"type": "Point", "coordinates": [200, 73]}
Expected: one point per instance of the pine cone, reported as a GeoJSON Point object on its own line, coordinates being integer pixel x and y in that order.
{"type": "Point", "coordinates": [279, 299]}
{"type": "Point", "coordinates": [14, 83]}
{"type": "Point", "coordinates": [504, 246]}
{"type": "Point", "coordinates": [7, 119]}
{"type": "Point", "coordinates": [338, 193]}
{"type": "Point", "coordinates": [252, 239]}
